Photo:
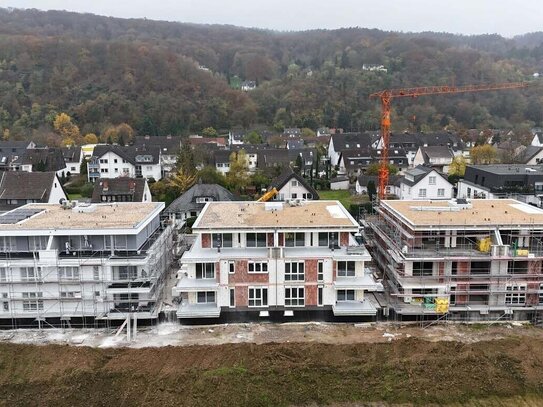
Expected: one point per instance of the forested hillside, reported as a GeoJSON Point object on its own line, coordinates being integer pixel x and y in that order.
{"type": "Point", "coordinates": [107, 71]}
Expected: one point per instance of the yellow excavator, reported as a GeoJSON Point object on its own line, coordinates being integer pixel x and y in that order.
{"type": "Point", "coordinates": [268, 195]}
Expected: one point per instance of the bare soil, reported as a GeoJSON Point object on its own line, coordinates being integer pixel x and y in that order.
{"type": "Point", "coordinates": [470, 368]}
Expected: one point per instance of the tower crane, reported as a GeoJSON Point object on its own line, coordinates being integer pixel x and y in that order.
{"type": "Point", "coordinates": [386, 97]}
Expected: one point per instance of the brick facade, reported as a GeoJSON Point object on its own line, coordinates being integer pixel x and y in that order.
{"type": "Point", "coordinates": [281, 239]}
{"type": "Point", "coordinates": [242, 294]}
{"type": "Point", "coordinates": [310, 295]}
{"type": "Point", "coordinates": [344, 239]}
{"type": "Point", "coordinates": [311, 267]}
{"type": "Point", "coordinates": [242, 275]}
{"type": "Point", "coordinates": [270, 240]}
{"type": "Point", "coordinates": [206, 240]}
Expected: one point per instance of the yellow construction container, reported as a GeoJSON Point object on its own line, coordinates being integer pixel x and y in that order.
{"type": "Point", "coordinates": [442, 305]}
{"type": "Point", "coordinates": [523, 252]}
{"type": "Point", "coordinates": [484, 245]}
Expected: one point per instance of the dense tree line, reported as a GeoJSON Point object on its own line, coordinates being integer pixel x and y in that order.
{"type": "Point", "coordinates": [104, 72]}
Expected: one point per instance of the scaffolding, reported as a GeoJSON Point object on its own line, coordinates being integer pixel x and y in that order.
{"type": "Point", "coordinates": [71, 284]}
{"type": "Point", "coordinates": [485, 273]}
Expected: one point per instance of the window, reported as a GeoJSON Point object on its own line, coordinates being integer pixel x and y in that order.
{"type": "Point", "coordinates": [222, 239]}
{"type": "Point", "coordinates": [327, 239]}
{"type": "Point", "coordinates": [431, 180]}
{"type": "Point", "coordinates": [258, 297]}
{"type": "Point", "coordinates": [232, 297]}
{"type": "Point", "coordinates": [70, 294]}
{"type": "Point", "coordinates": [256, 240]}
{"type": "Point", "coordinates": [441, 192]}
{"type": "Point", "coordinates": [541, 293]}
{"type": "Point", "coordinates": [517, 267]}
{"type": "Point", "coordinates": [452, 296]}
{"type": "Point", "coordinates": [204, 199]}
{"type": "Point", "coordinates": [294, 196]}
{"type": "Point", "coordinates": [37, 243]}
{"type": "Point", "coordinates": [294, 271]}
{"type": "Point", "coordinates": [480, 267]}
{"type": "Point", "coordinates": [3, 274]}
{"type": "Point", "coordinates": [469, 192]}
{"type": "Point", "coordinates": [7, 244]}
{"type": "Point", "coordinates": [515, 295]}
{"type": "Point", "coordinates": [422, 193]}
{"type": "Point", "coordinates": [294, 183]}
{"type": "Point", "coordinates": [68, 273]}
{"type": "Point", "coordinates": [127, 272]}
{"type": "Point", "coordinates": [295, 239]}
{"type": "Point", "coordinates": [30, 274]}
{"type": "Point", "coordinates": [205, 270]}
{"type": "Point", "coordinates": [258, 267]}
{"type": "Point", "coordinates": [294, 297]}
{"type": "Point", "coordinates": [345, 269]}
{"type": "Point", "coordinates": [320, 301]}
{"type": "Point", "coordinates": [320, 270]}
{"type": "Point", "coordinates": [32, 301]}
{"type": "Point", "coordinates": [103, 170]}
{"type": "Point", "coordinates": [95, 273]}
{"type": "Point", "coordinates": [423, 269]}
{"type": "Point", "coordinates": [115, 160]}
{"type": "Point", "coordinates": [345, 295]}
{"type": "Point", "coordinates": [206, 297]}
{"type": "Point", "coordinates": [231, 267]}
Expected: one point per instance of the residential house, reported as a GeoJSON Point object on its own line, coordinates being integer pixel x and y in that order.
{"type": "Point", "coordinates": [191, 203]}
{"type": "Point", "coordinates": [537, 140]}
{"type": "Point", "coordinates": [294, 144]}
{"type": "Point", "coordinates": [236, 137]}
{"type": "Point", "coordinates": [323, 131]}
{"type": "Point", "coordinates": [199, 140]}
{"type": "Point", "coordinates": [290, 185]}
{"type": "Point", "coordinates": [339, 183]}
{"type": "Point", "coordinates": [424, 183]}
{"type": "Point", "coordinates": [113, 161]}
{"type": "Point", "coordinates": [468, 260]}
{"type": "Point", "coordinates": [524, 182]}
{"type": "Point", "coordinates": [356, 161]}
{"type": "Point", "coordinates": [349, 141]}
{"type": "Point", "coordinates": [169, 149]}
{"type": "Point", "coordinates": [122, 189]}
{"type": "Point", "coordinates": [531, 155]}
{"type": "Point", "coordinates": [438, 157]}
{"type": "Point", "coordinates": [10, 151]}
{"type": "Point", "coordinates": [247, 86]}
{"type": "Point", "coordinates": [73, 158]}
{"type": "Point", "coordinates": [78, 265]}
{"type": "Point", "coordinates": [292, 132]}
{"type": "Point", "coordinates": [18, 188]}
{"type": "Point", "coordinates": [391, 189]}
{"type": "Point", "coordinates": [41, 160]}
{"type": "Point", "coordinates": [275, 260]}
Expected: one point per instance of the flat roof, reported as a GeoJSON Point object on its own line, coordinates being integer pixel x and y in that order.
{"type": "Point", "coordinates": [510, 169]}
{"type": "Point", "coordinates": [483, 212]}
{"type": "Point", "coordinates": [122, 215]}
{"type": "Point", "coordinates": [241, 215]}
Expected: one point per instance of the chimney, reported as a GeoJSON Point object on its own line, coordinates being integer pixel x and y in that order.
{"type": "Point", "coordinates": [132, 185]}
{"type": "Point", "coordinates": [147, 137]}
{"type": "Point", "coordinates": [105, 186]}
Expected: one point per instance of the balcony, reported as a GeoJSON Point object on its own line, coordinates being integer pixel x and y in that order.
{"type": "Point", "coordinates": [198, 310]}
{"type": "Point", "coordinates": [354, 308]}
{"type": "Point", "coordinates": [187, 284]}
{"type": "Point", "coordinates": [365, 282]}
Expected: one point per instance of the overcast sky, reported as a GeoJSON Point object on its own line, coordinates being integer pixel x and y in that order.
{"type": "Point", "coordinates": [505, 17]}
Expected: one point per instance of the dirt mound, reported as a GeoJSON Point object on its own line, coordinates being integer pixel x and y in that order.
{"type": "Point", "coordinates": [403, 371]}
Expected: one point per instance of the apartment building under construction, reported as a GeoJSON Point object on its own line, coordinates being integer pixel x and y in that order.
{"type": "Point", "coordinates": [275, 260]}
{"type": "Point", "coordinates": [459, 259]}
{"type": "Point", "coordinates": [82, 264]}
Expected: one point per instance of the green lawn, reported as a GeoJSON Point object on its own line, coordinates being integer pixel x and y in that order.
{"type": "Point", "coordinates": [343, 196]}
{"type": "Point", "coordinates": [71, 197]}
